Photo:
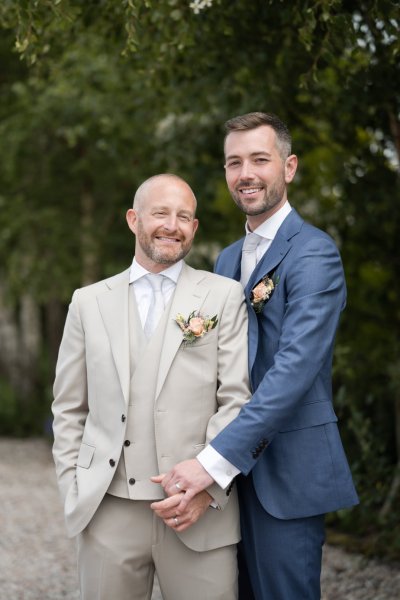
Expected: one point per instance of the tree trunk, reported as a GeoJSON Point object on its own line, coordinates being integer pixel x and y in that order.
{"type": "Point", "coordinates": [89, 245]}
{"type": "Point", "coordinates": [20, 340]}
{"type": "Point", "coordinates": [395, 486]}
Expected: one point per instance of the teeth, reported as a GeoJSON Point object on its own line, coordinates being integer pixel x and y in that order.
{"type": "Point", "coordinates": [250, 190]}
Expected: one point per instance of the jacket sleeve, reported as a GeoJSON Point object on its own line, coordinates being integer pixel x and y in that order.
{"type": "Point", "coordinates": [314, 291]}
{"type": "Point", "coordinates": [233, 389]}
{"type": "Point", "coordinates": [70, 405]}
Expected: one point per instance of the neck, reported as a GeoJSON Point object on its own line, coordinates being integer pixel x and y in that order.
{"type": "Point", "coordinates": [254, 221]}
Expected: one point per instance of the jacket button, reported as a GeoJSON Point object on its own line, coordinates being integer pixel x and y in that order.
{"type": "Point", "coordinates": [127, 443]}
{"type": "Point", "coordinates": [112, 462]}
{"type": "Point", "coordinates": [132, 481]}
{"type": "Point", "coordinates": [123, 418]}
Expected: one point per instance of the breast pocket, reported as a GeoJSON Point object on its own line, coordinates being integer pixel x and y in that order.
{"type": "Point", "coordinates": [207, 339]}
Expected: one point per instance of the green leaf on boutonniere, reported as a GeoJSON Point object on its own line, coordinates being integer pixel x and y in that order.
{"type": "Point", "coordinates": [195, 326]}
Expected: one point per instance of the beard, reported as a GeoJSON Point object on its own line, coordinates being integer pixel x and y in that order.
{"type": "Point", "coordinates": [273, 195]}
{"type": "Point", "coordinates": [162, 256]}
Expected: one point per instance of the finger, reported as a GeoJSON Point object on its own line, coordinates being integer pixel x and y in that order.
{"type": "Point", "coordinates": [167, 480]}
{"type": "Point", "coordinates": [157, 478]}
{"type": "Point", "coordinates": [167, 503]}
{"type": "Point", "coordinates": [173, 487]}
{"type": "Point", "coordinates": [182, 526]}
{"type": "Point", "coordinates": [175, 523]}
{"type": "Point", "coordinates": [185, 498]}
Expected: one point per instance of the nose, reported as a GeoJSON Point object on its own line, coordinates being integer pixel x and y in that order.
{"type": "Point", "coordinates": [246, 171]}
{"type": "Point", "coordinates": [170, 223]}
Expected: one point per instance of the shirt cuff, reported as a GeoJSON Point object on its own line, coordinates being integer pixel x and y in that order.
{"type": "Point", "coordinates": [220, 469]}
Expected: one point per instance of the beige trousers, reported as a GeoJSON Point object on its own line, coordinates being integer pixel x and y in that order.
{"type": "Point", "coordinates": [125, 543]}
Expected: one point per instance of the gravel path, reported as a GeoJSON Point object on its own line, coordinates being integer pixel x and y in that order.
{"type": "Point", "coordinates": [37, 561]}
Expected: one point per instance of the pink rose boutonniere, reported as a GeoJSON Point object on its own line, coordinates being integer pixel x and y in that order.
{"type": "Point", "coordinates": [195, 326]}
{"type": "Point", "coordinates": [262, 292]}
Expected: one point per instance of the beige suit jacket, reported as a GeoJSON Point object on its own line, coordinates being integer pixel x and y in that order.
{"type": "Point", "coordinates": [200, 388]}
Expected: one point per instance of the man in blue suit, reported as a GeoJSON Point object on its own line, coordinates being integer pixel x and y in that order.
{"type": "Point", "coordinates": [285, 442]}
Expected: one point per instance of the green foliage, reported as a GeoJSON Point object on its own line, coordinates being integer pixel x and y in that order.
{"type": "Point", "coordinates": [98, 95]}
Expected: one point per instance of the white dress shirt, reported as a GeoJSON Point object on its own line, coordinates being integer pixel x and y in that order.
{"type": "Point", "coordinates": [142, 286]}
{"type": "Point", "coordinates": [220, 469]}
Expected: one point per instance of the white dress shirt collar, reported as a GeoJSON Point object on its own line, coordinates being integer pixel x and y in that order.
{"type": "Point", "coordinates": [137, 271]}
{"type": "Point", "coordinates": [269, 228]}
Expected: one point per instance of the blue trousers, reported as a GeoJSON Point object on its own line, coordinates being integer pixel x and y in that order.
{"type": "Point", "coordinates": [278, 559]}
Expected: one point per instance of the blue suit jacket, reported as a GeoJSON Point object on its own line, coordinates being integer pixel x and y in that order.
{"type": "Point", "coordinates": [287, 434]}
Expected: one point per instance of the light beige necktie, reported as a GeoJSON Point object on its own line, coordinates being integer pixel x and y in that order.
{"type": "Point", "coordinates": [157, 306]}
{"type": "Point", "coordinates": [249, 257]}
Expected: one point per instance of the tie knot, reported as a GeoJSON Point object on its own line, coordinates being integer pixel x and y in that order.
{"type": "Point", "coordinates": [251, 242]}
{"type": "Point", "coordinates": [156, 281]}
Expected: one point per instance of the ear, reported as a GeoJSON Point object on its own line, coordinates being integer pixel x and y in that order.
{"type": "Point", "coordinates": [131, 219]}
{"type": "Point", "coordinates": [290, 167]}
{"type": "Point", "coordinates": [195, 225]}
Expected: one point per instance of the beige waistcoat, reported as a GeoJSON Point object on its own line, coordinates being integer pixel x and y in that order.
{"type": "Point", "coordinates": [138, 461]}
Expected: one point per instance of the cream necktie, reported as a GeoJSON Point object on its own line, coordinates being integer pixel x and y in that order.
{"type": "Point", "coordinates": [157, 306]}
{"type": "Point", "coordinates": [249, 257]}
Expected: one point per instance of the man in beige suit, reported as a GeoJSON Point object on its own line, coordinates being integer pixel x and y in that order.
{"type": "Point", "coordinates": [147, 374]}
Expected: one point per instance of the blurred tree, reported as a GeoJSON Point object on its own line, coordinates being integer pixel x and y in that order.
{"type": "Point", "coordinates": [109, 93]}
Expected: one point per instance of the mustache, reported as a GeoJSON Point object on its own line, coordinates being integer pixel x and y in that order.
{"type": "Point", "coordinates": [250, 184]}
{"type": "Point", "coordinates": [168, 234]}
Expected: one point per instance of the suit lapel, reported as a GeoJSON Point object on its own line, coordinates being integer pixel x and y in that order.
{"type": "Point", "coordinates": [189, 296]}
{"type": "Point", "coordinates": [273, 256]}
{"type": "Point", "coordinates": [113, 306]}
{"type": "Point", "coordinates": [280, 246]}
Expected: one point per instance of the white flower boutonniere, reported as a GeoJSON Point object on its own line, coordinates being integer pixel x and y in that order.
{"type": "Point", "coordinates": [262, 292]}
{"type": "Point", "coordinates": [195, 326]}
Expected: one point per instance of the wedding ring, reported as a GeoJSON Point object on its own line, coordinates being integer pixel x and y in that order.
{"type": "Point", "coordinates": [176, 521]}
{"type": "Point", "coordinates": [178, 487]}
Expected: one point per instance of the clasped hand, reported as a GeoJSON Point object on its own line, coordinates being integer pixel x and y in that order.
{"type": "Point", "coordinates": [185, 485]}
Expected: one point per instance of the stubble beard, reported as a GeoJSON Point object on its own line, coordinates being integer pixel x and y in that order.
{"type": "Point", "coordinates": [273, 195]}
{"type": "Point", "coordinates": [161, 256]}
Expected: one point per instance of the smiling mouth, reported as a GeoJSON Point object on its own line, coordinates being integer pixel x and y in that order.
{"type": "Point", "coordinates": [248, 191]}
{"type": "Point", "coordinates": [167, 240]}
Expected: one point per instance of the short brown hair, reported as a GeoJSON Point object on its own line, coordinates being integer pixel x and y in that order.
{"type": "Point", "coordinates": [257, 119]}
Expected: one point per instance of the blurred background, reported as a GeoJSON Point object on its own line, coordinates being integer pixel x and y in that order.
{"type": "Point", "coordinates": [98, 95]}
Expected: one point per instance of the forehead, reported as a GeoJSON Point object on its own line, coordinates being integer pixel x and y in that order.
{"type": "Point", "coordinates": [252, 141]}
{"type": "Point", "coordinates": [167, 193]}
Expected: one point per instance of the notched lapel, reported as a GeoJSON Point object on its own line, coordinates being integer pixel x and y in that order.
{"type": "Point", "coordinates": [277, 251]}
{"type": "Point", "coordinates": [113, 306]}
{"type": "Point", "coordinates": [189, 296]}
{"type": "Point", "coordinates": [267, 265]}
{"type": "Point", "coordinates": [269, 262]}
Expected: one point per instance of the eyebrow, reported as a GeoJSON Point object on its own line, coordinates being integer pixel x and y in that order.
{"type": "Point", "coordinates": [252, 155]}
{"type": "Point", "coordinates": [183, 211]}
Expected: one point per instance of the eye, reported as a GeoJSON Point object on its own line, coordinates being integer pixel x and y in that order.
{"type": "Point", "coordinates": [232, 164]}
{"type": "Point", "coordinates": [261, 160]}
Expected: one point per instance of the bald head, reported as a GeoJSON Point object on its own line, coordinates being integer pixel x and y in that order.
{"type": "Point", "coordinates": [163, 221]}
{"type": "Point", "coordinates": [154, 183]}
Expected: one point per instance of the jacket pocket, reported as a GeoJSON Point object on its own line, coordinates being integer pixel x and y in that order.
{"type": "Point", "coordinates": [85, 456]}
